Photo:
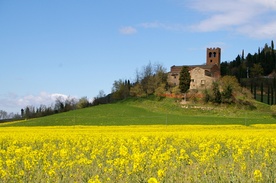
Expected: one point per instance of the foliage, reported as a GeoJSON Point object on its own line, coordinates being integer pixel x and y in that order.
{"type": "Point", "coordinates": [263, 62]}
{"type": "Point", "coordinates": [229, 86]}
{"type": "Point", "coordinates": [150, 79]}
{"type": "Point", "coordinates": [257, 70]}
{"type": "Point", "coordinates": [137, 91]}
{"type": "Point", "coordinates": [227, 90]}
{"type": "Point", "coordinates": [227, 95]}
{"type": "Point", "coordinates": [61, 105]}
{"type": "Point", "coordinates": [213, 94]}
{"type": "Point", "coordinates": [184, 79]}
{"type": "Point", "coordinates": [138, 154]}
{"type": "Point", "coordinates": [83, 103]}
{"type": "Point", "coordinates": [101, 99]}
{"type": "Point", "coordinates": [176, 90]}
{"type": "Point", "coordinates": [121, 89]}
{"type": "Point", "coordinates": [5, 116]}
{"type": "Point", "coordinates": [206, 96]}
{"type": "Point", "coordinates": [216, 93]}
{"type": "Point", "coordinates": [227, 81]}
{"type": "Point", "coordinates": [160, 90]}
{"type": "Point", "coordinates": [193, 95]}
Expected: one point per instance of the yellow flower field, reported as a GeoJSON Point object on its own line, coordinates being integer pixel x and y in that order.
{"type": "Point", "coordinates": [138, 154]}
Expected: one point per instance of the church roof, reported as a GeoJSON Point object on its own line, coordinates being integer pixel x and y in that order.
{"type": "Point", "coordinates": [206, 67]}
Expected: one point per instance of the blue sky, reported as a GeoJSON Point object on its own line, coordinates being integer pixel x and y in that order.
{"type": "Point", "coordinates": [77, 48]}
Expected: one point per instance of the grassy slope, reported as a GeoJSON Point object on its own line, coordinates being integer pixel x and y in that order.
{"type": "Point", "coordinates": [153, 111]}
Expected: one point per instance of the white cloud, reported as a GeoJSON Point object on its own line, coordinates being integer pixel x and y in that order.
{"type": "Point", "coordinates": [128, 30]}
{"type": "Point", "coordinates": [265, 30]}
{"type": "Point", "coordinates": [159, 25]}
{"type": "Point", "coordinates": [13, 103]}
{"type": "Point", "coordinates": [254, 18]}
{"type": "Point", "coordinates": [42, 98]}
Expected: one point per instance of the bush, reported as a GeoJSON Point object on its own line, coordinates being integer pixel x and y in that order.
{"type": "Point", "coordinates": [216, 93]}
{"type": "Point", "coordinates": [227, 90]}
{"type": "Point", "coordinates": [207, 96]}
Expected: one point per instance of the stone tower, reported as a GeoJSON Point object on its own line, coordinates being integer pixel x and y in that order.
{"type": "Point", "coordinates": [213, 56]}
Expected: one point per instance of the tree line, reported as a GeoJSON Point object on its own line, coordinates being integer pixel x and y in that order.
{"type": "Point", "coordinates": [261, 63]}
{"type": "Point", "coordinates": [60, 105]}
{"type": "Point", "coordinates": [5, 115]}
{"type": "Point", "coordinates": [256, 72]}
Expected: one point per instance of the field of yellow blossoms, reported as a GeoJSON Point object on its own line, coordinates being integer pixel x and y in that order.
{"type": "Point", "coordinates": [138, 154]}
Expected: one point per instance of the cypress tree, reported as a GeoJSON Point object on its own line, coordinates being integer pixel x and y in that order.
{"type": "Point", "coordinates": [184, 79]}
{"type": "Point", "coordinates": [216, 93]}
{"type": "Point", "coordinates": [268, 94]}
{"type": "Point", "coordinates": [274, 87]}
{"type": "Point", "coordinates": [255, 91]}
{"type": "Point", "coordinates": [273, 54]}
{"type": "Point", "coordinates": [262, 92]}
{"type": "Point", "coordinates": [272, 95]}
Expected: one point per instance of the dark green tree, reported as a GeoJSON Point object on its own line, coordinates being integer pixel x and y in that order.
{"type": "Point", "coordinates": [224, 68]}
{"type": "Point", "coordinates": [184, 79]}
{"type": "Point", "coordinates": [216, 93]}
{"type": "Point", "coordinates": [256, 70]}
{"type": "Point", "coordinates": [120, 89]}
{"type": "Point", "coordinates": [262, 92]}
{"type": "Point", "coordinates": [27, 113]}
{"type": "Point", "coordinates": [273, 54]}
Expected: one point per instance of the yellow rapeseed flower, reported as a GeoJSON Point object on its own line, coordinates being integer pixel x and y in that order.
{"type": "Point", "coordinates": [133, 153]}
{"type": "Point", "coordinates": [152, 180]}
{"type": "Point", "coordinates": [258, 176]}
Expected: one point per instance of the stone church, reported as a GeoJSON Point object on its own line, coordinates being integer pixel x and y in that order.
{"type": "Point", "coordinates": [202, 76]}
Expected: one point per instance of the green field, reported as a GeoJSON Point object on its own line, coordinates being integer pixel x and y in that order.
{"type": "Point", "coordinates": [151, 111]}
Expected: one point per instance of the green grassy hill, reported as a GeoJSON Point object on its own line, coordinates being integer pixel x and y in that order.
{"type": "Point", "coordinates": [153, 111]}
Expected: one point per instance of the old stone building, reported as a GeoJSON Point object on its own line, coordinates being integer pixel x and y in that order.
{"type": "Point", "coordinates": [202, 76]}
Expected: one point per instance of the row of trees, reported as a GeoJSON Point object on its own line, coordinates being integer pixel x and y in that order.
{"type": "Point", "coordinates": [5, 115]}
{"type": "Point", "coordinates": [262, 63]}
{"type": "Point", "coordinates": [60, 105]}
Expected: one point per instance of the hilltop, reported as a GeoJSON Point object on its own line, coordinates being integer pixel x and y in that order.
{"type": "Point", "coordinates": [153, 110]}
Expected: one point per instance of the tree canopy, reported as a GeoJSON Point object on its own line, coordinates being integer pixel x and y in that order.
{"type": "Point", "coordinates": [263, 62]}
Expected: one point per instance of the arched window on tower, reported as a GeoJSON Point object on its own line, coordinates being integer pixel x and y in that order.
{"type": "Point", "coordinates": [210, 54]}
{"type": "Point", "coordinates": [214, 54]}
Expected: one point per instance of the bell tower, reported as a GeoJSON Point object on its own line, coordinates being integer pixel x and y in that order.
{"type": "Point", "coordinates": [213, 56]}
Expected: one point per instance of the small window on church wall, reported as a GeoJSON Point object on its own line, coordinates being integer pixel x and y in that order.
{"type": "Point", "coordinates": [202, 82]}
{"type": "Point", "coordinates": [210, 54]}
{"type": "Point", "coordinates": [211, 61]}
{"type": "Point", "coordinates": [214, 54]}
{"type": "Point", "coordinates": [192, 80]}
